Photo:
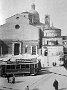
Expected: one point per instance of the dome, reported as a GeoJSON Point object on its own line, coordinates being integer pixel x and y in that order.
{"type": "Point", "coordinates": [34, 12]}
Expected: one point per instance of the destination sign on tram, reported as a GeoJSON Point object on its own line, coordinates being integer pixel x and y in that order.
{"type": "Point", "coordinates": [26, 60]}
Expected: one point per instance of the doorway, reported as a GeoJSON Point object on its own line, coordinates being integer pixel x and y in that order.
{"type": "Point", "coordinates": [16, 48]}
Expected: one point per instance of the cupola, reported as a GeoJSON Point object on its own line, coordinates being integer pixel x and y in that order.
{"type": "Point", "coordinates": [35, 13]}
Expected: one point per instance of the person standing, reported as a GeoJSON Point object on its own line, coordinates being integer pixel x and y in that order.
{"type": "Point", "coordinates": [55, 84]}
{"type": "Point", "coordinates": [13, 79]}
{"type": "Point", "coordinates": [8, 78]}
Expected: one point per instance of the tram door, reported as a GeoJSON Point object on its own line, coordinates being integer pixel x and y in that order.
{"type": "Point", "coordinates": [3, 70]}
{"type": "Point", "coordinates": [32, 71]}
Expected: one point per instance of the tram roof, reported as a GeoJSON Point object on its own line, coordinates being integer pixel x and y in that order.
{"type": "Point", "coordinates": [3, 63]}
{"type": "Point", "coordinates": [14, 63]}
{"type": "Point", "coordinates": [13, 58]}
{"type": "Point", "coordinates": [26, 58]}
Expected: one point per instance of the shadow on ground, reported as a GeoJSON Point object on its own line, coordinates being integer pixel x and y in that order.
{"type": "Point", "coordinates": [35, 89]}
{"type": "Point", "coordinates": [60, 74]}
{"type": "Point", "coordinates": [44, 71]}
{"type": "Point", "coordinates": [62, 88]}
{"type": "Point", "coordinates": [19, 81]}
{"type": "Point", "coordinates": [58, 89]}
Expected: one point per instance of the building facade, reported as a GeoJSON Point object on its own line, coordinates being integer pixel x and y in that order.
{"type": "Point", "coordinates": [52, 44]}
{"type": "Point", "coordinates": [19, 34]}
{"type": "Point", "coordinates": [24, 33]}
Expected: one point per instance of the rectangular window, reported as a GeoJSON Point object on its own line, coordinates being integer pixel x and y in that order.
{"type": "Point", "coordinates": [17, 66]}
{"type": "Point", "coordinates": [31, 20]}
{"type": "Point", "coordinates": [8, 67]}
{"type": "Point", "coordinates": [47, 42]}
{"type": "Point", "coordinates": [25, 49]}
{"type": "Point", "coordinates": [56, 42]}
{"type": "Point", "coordinates": [33, 50]}
{"type": "Point", "coordinates": [12, 66]}
{"type": "Point", "coordinates": [23, 66]}
{"type": "Point", "coordinates": [27, 65]}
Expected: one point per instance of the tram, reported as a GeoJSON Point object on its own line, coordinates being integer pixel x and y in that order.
{"type": "Point", "coordinates": [20, 66]}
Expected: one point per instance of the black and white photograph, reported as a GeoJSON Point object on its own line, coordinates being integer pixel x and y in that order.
{"type": "Point", "coordinates": [33, 45]}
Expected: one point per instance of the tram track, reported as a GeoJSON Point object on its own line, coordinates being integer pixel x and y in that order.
{"type": "Point", "coordinates": [40, 81]}
{"type": "Point", "coordinates": [45, 78]}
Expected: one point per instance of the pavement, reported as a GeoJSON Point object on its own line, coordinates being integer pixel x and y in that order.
{"type": "Point", "coordinates": [60, 73]}
{"type": "Point", "coordinates": [39, 82]}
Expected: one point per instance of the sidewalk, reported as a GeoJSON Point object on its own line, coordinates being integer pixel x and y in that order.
{"type": "Point", "coordinates": [60, 73]}
{"type": "Point", "coordinates": [61, 70]}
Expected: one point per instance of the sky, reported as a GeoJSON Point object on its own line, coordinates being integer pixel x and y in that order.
{"type": "Point", "coordinates": [57, 9]}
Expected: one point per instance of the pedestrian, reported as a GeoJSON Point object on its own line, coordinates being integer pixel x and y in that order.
{"type": "Point", "coordinates": [27, 88]}
{"type": "Point", "coordinates": [55, 84]}
{"type": "Point", "coordinates": [55, 63]}
{"type": "Point", "coordinates": [13, 79]}
{"type": "Point", "coordinates": [8, 78]}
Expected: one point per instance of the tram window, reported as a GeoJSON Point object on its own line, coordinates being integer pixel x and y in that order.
{"type": "Point", "coordinates": [23, 66]}
{"type": "Point", "coordinates": [12, 66]}
{"type": "Point", "coordinates": [27, 65]}
{"type": "Point", "coordinates": [17, 66]}
{"type": "Point", "coordinates": [8, 67]}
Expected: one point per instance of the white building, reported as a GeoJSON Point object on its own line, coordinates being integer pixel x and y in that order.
{"type": "Point", "coordinates": [52, 43]}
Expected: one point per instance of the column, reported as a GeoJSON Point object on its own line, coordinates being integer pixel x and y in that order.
{"type": "Point", "coordinates": [31, 49]}
{"type": "Point", "coordinates": [12, 48]}
{"type": "Point", "coordinates": [36, 50]}
{"type": "Point", "coordinates": [20, 48]}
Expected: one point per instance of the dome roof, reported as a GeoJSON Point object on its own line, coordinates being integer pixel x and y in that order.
{"type": "Point", "coordinates": [34, 12]}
